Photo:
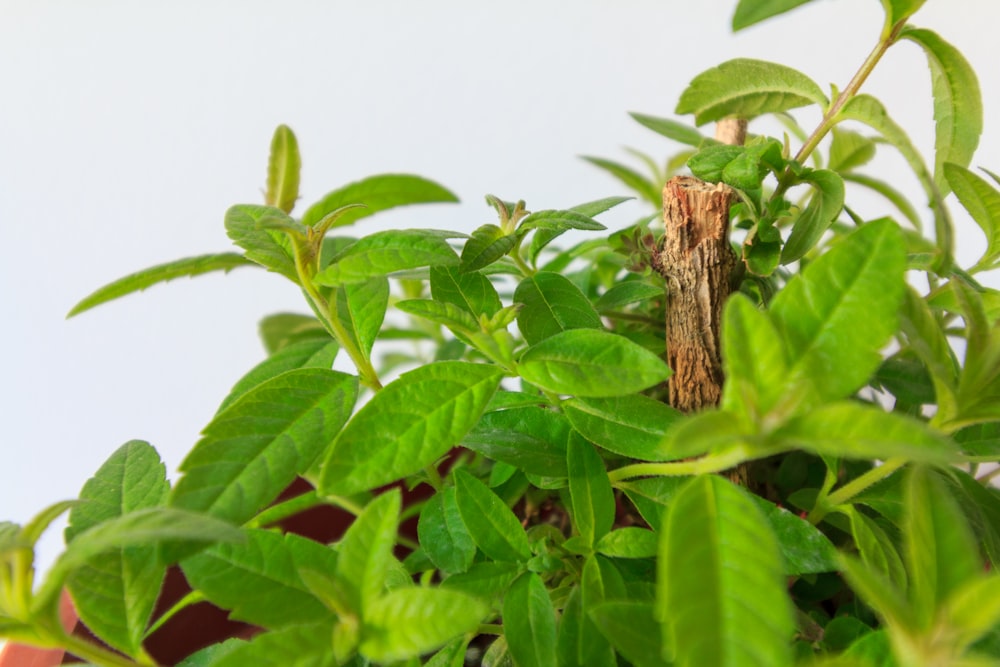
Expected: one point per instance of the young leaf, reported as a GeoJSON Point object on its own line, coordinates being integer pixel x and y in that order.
{"type": "Point", "coordinates": [824, 206]}
{"type": "Point", "coordinates": [443, 534]}
{"type": "Point", "coordinates": [136, 282]}
{"type": "Point", "coordinates": [958, 105]}
{"type": "Point", "coordinates": [377, 193]}
{"type": "Point", "coordinates": [671, 129]}
{"type": "Point", "coordinates": [837, 314]}
{"type": "Point", "coordinates": [631, 627]}
{"type": "Point", "coordinates": [590, 362]}
{"type": "Point", "coordinates": [305, 645]}
{"type": "Point", "coordinates": [487, 244]}
{"type": "Point", "coordinates": [849, 150]}
{"type": "Point", "coordinates": [471, 291]}
{"type": "Point", "coordinates": [386, 252]}
{"type": "Point", "coordinates": [942, 555]}
{"type": "Point", "coordinates": [529, 437]}
{"type": "Point", "coordinates": [900, 10]}
{"type": "Point", "coordinates": [632, 425]}
{"type": "Point", "coordinates": [876, 549]}
{"type": "Point", "coordinates": [754, 360]}
{"type": "Point", "coordinates": [855, 430]}
{"type": "Point", "coordinates": [749, 12]}
{"type": "Point", "coordinates": [559, 221]}
{"type": "Point", "coordinates": [492, 525]}
{"type": "Point", "coordinates": [632, 179]}
{"type": "Point", "coordinates": [365, 552]}
{"type": "Point", "coordinates": [254, 448]}
{"type": "Point", "coordinates": [529, 622]}
{"type": "Point", "coordinates": [258, 580]}
{"type": "Point", "coordinates": [982, 201]}
{"type": "Point", "coordinates": [543, 237]}
{"type": "Point", "coordinates": [283, 168]}
{"type": "Point", "coordinates": [487, 580]}
{"type": "Point", "coordinates": [747, 88]}
{"type": "Point", "coordinates": [710, 163]}
{"type": "Point", "coordinates": [443, 313]}
{"type": "Point", "coordinates": [591, 496]}
{"type": "Point", "coordinates": [282, 329]}
{"type": "Point", "coordinates": [115, 593]}
{"type": "Point", "coordinates": [550, 304]}
{"type": "Point", "coordinates": [408, 622]}
{"type": "Point", "coordinates": [720, 587]}
{"type": "Point", "coordinates": [257, 229]}
{"type": "Point", "coordinates": [309, 353]}
{"type": "Point", "coordinates": [360, 310]}
{"type": "Point", "coordinates": [430, 410]}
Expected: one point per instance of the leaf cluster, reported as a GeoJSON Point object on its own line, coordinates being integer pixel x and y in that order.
{"type": "Point", "coordinates": [831, 510]}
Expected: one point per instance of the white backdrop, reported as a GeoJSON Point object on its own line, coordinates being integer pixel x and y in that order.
{"type": "Point", "coordinates": [128, 128]}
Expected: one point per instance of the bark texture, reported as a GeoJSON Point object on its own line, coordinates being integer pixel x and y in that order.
{"type": "Point", "coordinates": [697, 262]}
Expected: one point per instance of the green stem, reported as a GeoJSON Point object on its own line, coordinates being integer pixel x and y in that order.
{"type": "Point", "coordinates": [707, 464]}
{"type": "Point", "coordinates": [93, 653]}
{"type": "Point", "coordinates": [489, 629]}
{"type": "Point", "coordinates": [830, 117]}
{"type": "Point", "coordinates": [845, 493]}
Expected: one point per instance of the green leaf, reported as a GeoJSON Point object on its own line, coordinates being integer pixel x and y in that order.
{"type": "Point", "coordinates": [876, 591]}
{"type": "Point", "coordinates": [294, 646]}
{"type": "Point", "coordinates": [386, 252]}
{"type": "Point", "coordinates": [258, 230]}
{"type": "Point", "coordinates": [408, 622]}
{"type": "Point", "coordinates": [360, 310]}
{"type": "Point", "coordinates": [632, 425]}
{"type": "Point", "coordinates": [282, 329]}
{"type": "Point", "coordinates": [487, 580]}
{"type": "Point", "coordinates": [115, 593]}
{"type": "Point", "coordinates": [140, 528]}
{"type": "Point", "coordinates": [671, 129]}
{"type": "Point", "coordinates": [824, 206]}
{"type": "Point", "coordinates": [136, 282]}
{"type": "Point", "coordinates": [747, 88]}
{"type": "Point", "coordinates": [626, 293]}
{"type": "Point", "coordinates": [720, 587]}
{"type": "Point", "coordinates": [529, 622]}
{"type": "Point", "coordinates": [283, 168]}
{"type": "Point", "coordinates": [942, 555]}
{"type": "Point", "coordinates": [628, 542]}
{"type": "Point", "coordinates": [647, 189]}
{"type": "Point", "coordinates": [446, 314]}
{"type": "Point", "coordinates": [754, 360]}
{"type": "Point", "coordinates": [804, 549]}
{"type": "Point", "coordinates": [958, 104]}
{"type": "Point", "coordinates": [578, 643]}
{"type": "Point", "coordinates": [450, 655]}
{"type": "Point", "coordinates": [365, 552]}
{"type": "Point", "coordinates": [559, 221]}
{"type": "Point", "coordinates": [982, 201]}
{"type": "Point", "coordinates": [258, 580]}
{"type": "Point", "coordinates": [926, 338]}
{"type": "Point", "coordinates": [543, 237]}
{"type": "Point", "coordinates": [974, 608]}
{"type": "Point", "coordinates": [211, 655]}
{"type": "Point", "coordinates": [591, 497]}
{"type": "Point", "coordinates": [552, 304]}
{"type": "Point", "coordinates": [471, 291]}
{"type": "Point", "coordinates": [631, 626]}
{"type": "Point", "coordinates": [492, 525]}
{"type": "Point", "coordinates": [749, 12]}
{"type": "Point", "coordinates": [591, 362]}
{"type": "Point", "coordinates": [530, 438]}
{"type": "Point", "coordinates": [837, 314]}
{"type": "Point", "coordinates": [309, 353]}
{"type": "Point", "coordinates": [377, 193]}
{"type": "Point", "coordinates": [408, 425]}
{"type": "Point", "coordinates": [710, 163]}
{"type": "Point", "coordinates": [855, 430]}
{"type": "Point", "coordinates": [487, 244]}
{"type": "Point", "coordinates": [704, 432]}
{"type": "Point", "coordinates": [254, 448]}
{"type": "Point", "coordinates": [876, 549]}
{"type": "Point", "coordinates": [443, 534]}
{"type": "Point", "coordinates": [849, 150]}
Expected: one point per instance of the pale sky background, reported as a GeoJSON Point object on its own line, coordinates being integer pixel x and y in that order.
{"type": "Point", "coordinates": [128, 128]}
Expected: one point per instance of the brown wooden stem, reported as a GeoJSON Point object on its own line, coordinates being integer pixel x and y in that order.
{"type": "Point", "coordinates": [697, 262]}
